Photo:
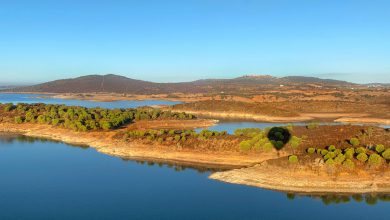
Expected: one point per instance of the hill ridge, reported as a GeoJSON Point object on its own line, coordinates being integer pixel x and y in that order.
{"type": "Point", "coordinates": [113, 83]}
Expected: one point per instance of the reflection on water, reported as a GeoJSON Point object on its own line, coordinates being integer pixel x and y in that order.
{"type": "Point", "coordinates": [6, 137]}
{"type": "Point", "coordinates": [179, 167]}
{"type": "Point", "coordinates": [331, 199]}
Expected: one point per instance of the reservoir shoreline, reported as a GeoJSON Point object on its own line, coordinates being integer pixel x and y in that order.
{"type": "Point", "coordinates": [247, 169]}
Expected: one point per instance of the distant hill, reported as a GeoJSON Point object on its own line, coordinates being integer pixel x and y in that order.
{"type": "Point", "coordinates": [120, 84]}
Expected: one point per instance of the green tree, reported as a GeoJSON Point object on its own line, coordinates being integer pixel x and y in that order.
{"type": "Point", "coordinates": [362, 157]}
{"type": "Point", "coordinates": [293, 159]}
{"type": "Point", "coordinates": [379, 148]}
{"type": "Point", "coordinates": [375, 160]}
{"type": "Point", "coordinates": [386, 154]}
{"type": "Point", "coordinates": [18, 120]}
{"type": "Point", "coordinates": [354, 141]}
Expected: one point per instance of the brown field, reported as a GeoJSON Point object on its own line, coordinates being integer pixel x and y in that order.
{"type": "Point", "coordinates": [358, 104]}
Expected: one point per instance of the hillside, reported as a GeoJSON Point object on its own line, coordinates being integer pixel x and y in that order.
{"type": "Point", "coordinates": [120, 84]}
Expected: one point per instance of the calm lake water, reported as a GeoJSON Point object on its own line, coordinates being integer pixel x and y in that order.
{"type": "Point", "coordinates": [40, 98]}
{"type": "Point", "coordinates": [43, 179]}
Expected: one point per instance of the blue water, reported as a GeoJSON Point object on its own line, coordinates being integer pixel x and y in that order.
{"type": "Point", "coordinates": [231, 126]}
{"type": "Point", "coordinates": [40, 98]}
{"type": "Point", "coordinates": [50, 180]}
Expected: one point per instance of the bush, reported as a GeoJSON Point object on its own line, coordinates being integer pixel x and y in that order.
{"type": "Point", "coordinates": [177, 137]}
{"type": "Point", "coordinates": [295, 142]}
{"type": "Point", "coordinates": [245, 145]}
{"type": "Point", "coordinates": [330, 155]}
{"type": "Point", "coordinates": [257, 146]}
{"type": "Point", "coordinates": [55, 121]}
{"type": "Point", "coordinates": [379, 148]}
{"type": "Point", "coordinates": [324, 152]}
{"type": "Point", "coordinates": [18, 120]}
{"type": "Point", "coordinates": [375, 160]}
{"type": "Point", "coordinates": [348, 163]}
{"type": "Point", "coordinates": [361, 150]}
{"type": "Point", "coordinates": [349, 153]}
{"type": "Point", "coordinates": [330, 162]}
{"type": "Point", "coordinates": [311, 150]}
{"type": "Point", "coordinates": [354, 141]}
{"type": "Point", "coordinates": [338, 151]}
{"type": "Point", "coordinates": [313, 125]}
{"type": "Point", "coordinates": [267, 146]}
{"type": "Point", "coordinates": [362, 157]}
{"type": "Point", "coordinates": [331, 148]}
{"type": "Point", "coordinates": [386, 154]}
{"type": "Point", "coordinates": [8, 107]}
{"type": "Point", "coordinates": [339, 159]}
{"type": "Point", "coordinates": [293, 159]}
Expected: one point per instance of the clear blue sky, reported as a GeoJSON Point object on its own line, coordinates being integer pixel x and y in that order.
{"type": "Point", "coordinates": [185, 40]}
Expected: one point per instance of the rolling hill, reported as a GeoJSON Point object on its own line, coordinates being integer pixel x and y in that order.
{"type": "Point", "coordinates": [120, 84]}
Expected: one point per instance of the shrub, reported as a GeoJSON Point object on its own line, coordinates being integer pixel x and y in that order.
{"type": "Point", "coordinates": [349, 153]}
{"type": "Point", "coordinates": [361, 150]}
{"type": "Point", "coordinates": [330, 162]}
{"type": "Point", "coordinates": [245, 145]}
{"type": "Point", "coordinates": [379, 148]}
{"type": "Point", "coordinates": [331, 148]}
{"type": "Point", "coordinates": [293, 159]}
{"type": "Point", "coordinates": [8, 107]}
{"type": "Point", "coordinates": [354, 141]}
{"type": "Point", "coordinates": [338, 151]}
{"type": "Point", "coordinates": [267, 146]}
{"type": "Point", "coordinates": [386, 154]}
{"type": "Point", "coordinates": [257, 146]}
{"type": "Point", "coordinates": [348, 163]}
{"type": "Point", "coordinates": [330, 155]}
{"type": "Point", "coordinates": [290, 127]}
{"type": "Point", "coordinates": [319, 151]}
{"type": "Point", "coordinates": [313, 125]}
{"type": "Point", "coordinates": [177, 137]}
{"type": "Point", "coordinates": [362, 157]}
{"type": "Point", "coordinates": [324, 152]}
{"type": "Point", "coordinates": [375, 159]}
{"type": "Point", "coordinates": [339, 159]}
{"type": "Point", "coordinates": [160, 140]}
{"type": "Point", "coordinates": [295, 142]}
{"type": "Point", "coordinates": [18, 120]}
{"type": "Point", "coordinates": [55, 121]}
{"type": "Point", "coordinates": [311, 150]}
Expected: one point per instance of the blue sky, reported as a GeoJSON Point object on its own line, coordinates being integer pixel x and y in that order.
{"type": "Point", "coordinates": [186, 40]}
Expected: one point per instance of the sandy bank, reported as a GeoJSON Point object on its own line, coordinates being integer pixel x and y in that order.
{"type": "Point", "coordinates": [304, 180]}
{"type": "Point", "coordinates": [304, 117]}
{"type": "Point", "coordinates": [246, 116]}
{"type": "Point", "coordinates": [363, 120]}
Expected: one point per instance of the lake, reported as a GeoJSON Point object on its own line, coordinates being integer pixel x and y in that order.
{"type": "Point", "coordinates": [42, 179]}
{"type": "Point", "coordinates": [44, 98]}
